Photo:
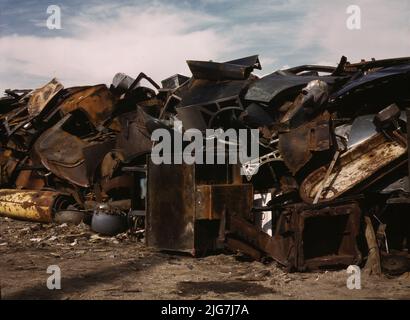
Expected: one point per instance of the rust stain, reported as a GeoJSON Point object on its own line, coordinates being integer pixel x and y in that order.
{"type": "Point", "coordinates": [96, 101]}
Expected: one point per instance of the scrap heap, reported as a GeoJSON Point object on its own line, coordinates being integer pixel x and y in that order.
{"type": "Point", "coordinates": [330, 186]}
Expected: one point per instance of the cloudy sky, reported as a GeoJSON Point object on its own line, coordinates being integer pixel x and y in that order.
{"type": "Point", "coordinates": [101, 38]}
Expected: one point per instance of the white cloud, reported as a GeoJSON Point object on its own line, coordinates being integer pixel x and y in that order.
{"type": "Point", "coordinates": [156, 41]}
{"type": "Point", "coordinates": [385, 30]}
{"type": "Point", "coordinates": [157, 38]}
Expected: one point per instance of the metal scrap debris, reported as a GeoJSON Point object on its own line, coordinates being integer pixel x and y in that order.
{"type": "Point", "coordinates": [334, 160]}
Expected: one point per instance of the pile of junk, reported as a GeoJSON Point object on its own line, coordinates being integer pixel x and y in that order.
{"type": "Point", "coordinates": [329, 188]}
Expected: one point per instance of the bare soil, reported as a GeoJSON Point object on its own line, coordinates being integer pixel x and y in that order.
{"type": "Point", "coordinates": [121, 267]}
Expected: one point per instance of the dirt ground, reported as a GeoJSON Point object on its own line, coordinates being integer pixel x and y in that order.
{"type": "Point", "coordinates": [93, 267]}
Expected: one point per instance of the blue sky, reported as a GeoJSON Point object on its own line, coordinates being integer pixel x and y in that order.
{"type": "Point", "coordinates": [100, 38]}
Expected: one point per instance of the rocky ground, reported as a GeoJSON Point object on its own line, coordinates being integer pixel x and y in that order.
{"type": "Point", "coordinates": [93, 267]}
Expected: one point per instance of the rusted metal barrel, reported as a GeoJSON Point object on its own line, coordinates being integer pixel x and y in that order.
{"type": "Point", "coordinates": [31, 205]}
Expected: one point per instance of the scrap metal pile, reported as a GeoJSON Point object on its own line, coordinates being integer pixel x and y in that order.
{"type": "Point", "coordinates": [332, 185]}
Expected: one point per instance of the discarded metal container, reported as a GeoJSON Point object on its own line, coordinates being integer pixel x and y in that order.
{"type": "Point", "coordinates": [38, 206]}
{"type": "Point", "coordinates": [188, 206]}
{"type": "Point", "coordinates": [306, 238]}
{"type": "Point", "coordinates": [355, 166]}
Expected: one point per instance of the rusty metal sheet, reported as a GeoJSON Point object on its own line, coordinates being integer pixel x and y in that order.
{"type": "Point", "coordinates": [94, 154]}
{"type": "Point", "coordinates": [70, 157]}
{"type": "Point", "coordinates": [8, 164]}
{"type": "Point", "coordinates": [218, 71]}
{"type": "Point", "coordinates": [353, 167]}
{"type": "Point", "coordinates": [134, 139]}
{"type": "Point", "coordinates": [250, 61]}
{"type": "Point", "coordinates": [214, 201]}
{"type": "Point", "coordinates": [238, 245]}
{"type": "Point", "coordinates": [62, 154]}
{"type": "Point", "coordinates": [170, 219]}
{"type": "Point", "coordinates": [42, 96]}
{"type": "Point", "coordinates": [205, 92]}
{"type": "Point", "coordinates": [250, 234]}
{"type": "Point", "coordinates": [388, 116]}
{"type": "Point", "coordinates": [238, 69]}
{"type": "Point", "coordinates": [304, 237]}
{"type": "Point", "coordinates": [296, 146]}
{"type": "Point", "coordinates": [96, 101]}
{"type": "Point", "coordinates": [110, 163]}
{"type": "Point", "coordinates": [124, 182]}
{"type": "Point", "coordinates": [29, 179]}
{"type": "Point", "coordinates": [38, 206]}
{"type": "Point", "coordinates": [181, 213]}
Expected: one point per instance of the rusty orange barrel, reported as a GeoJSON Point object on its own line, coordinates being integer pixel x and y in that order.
{"type": "Point", "coordinates": [31, 205]}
